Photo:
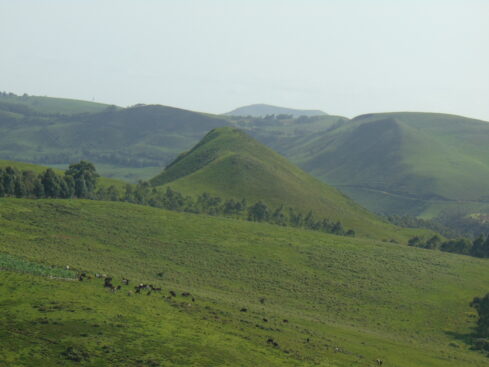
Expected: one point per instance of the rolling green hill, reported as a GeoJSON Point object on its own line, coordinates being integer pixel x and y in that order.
{"type": "Point", "coordinates": [262, 110]}
{"type": "Point", "coordinates": [132, 143]}
{"type": "Point", "coordinates": [49, 105]}
{"type": "Point", "coordinates": [421, 164]}
{"type": "Point", "coordinates": [417, 163]}
{"type": "Point", "coordinates": [345, 301]}
{"type": "Point", "coordinates": [228, 163]}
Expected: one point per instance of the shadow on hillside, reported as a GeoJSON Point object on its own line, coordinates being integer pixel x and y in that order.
{"type": "Point", "coordinates": [466, 338]}
{"type": "Point", "coordinates": [471, 340]}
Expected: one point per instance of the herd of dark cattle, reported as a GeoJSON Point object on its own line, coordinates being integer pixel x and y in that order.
{"type": "Point", "coordinates": [149, 288]}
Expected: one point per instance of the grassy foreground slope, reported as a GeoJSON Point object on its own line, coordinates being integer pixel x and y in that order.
{"type": "Point", "coordinates": [347, 301]}
{"type": "Point", "coordinates": [229, 163]}
{"type": "Point", "coordinates": [403, 162]}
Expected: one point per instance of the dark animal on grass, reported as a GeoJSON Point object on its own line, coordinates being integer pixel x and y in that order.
{"type": "Point", "coordinates": [244, 309]}
{"type": "Point", "coordinates": [119, 287]}
{"type": "Point", "coordinates": [193, 299]}
{"type": "Point", "coordinates": [156, 289]}
{"type": "Point", "coordinates": [285, 321]}
{"type": "Point", "coordinates": [262, 300]}
{"type": "Point", "coordinates": [125, 281]}
{"type": "Point", "coordinates": [379, 362]}
{"type": "Point", "coordinates": [173, 294]}
{"type": "Point", "coordinates": [270, 341]}
{"type": "Point", "coordinates": [265, 320]}
{"type": "Point", "coordinates": [185, 294]}
{"type": "Point", "coordinates": [108, 282]}
{"type": "Point", "coordinates": [142, 286]}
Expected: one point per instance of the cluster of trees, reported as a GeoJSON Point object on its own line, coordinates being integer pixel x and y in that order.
{"type": "Point", "coordinates": [78, 181]}
{"type": "Point", "coordinates": [143, 193]}
{"type": "Point", "coordinates": [450, 225]}
{"type": "Point", "coordinates": [481, 305]}
{"type": "Point", "coordinates": [478, 247]}
{"type": "Point", "coordinates": [407, 221]}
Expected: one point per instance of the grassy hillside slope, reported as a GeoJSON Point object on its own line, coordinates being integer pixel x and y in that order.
{"type": "Point", "coordinates": [229, 163]}
{"type": "Point", "coordinates": [347, 301]}
{"type": "Point", "coordinates": [396, 162]}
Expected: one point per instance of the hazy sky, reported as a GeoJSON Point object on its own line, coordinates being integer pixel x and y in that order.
{"type": "Point", "coordinates": [345, 57]}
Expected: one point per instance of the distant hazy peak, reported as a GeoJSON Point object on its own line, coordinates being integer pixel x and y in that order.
{"type": "Point", "coordinates": [261, 110]}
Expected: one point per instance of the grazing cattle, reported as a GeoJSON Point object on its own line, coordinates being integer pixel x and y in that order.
{"type": "Point", "coordinates": [379, 362]}
{"type": "Point", "coordinates": [285, 320]}
{"type": "Point", "coordinates": [80, 278]}
{"type": "Point", "coordinates": [270, 341]}
{"type": "Point", "coordinates": [307, 340]}
{"type": "Point", "coordinates": [193, 299]}
{"type": "Point", "coordinates": [108, 282]}
{"type": "Point", "coordinates": [262, 300]}
{"type": "Point", "coordinates": [125, 281]}
{"type": "Point", "coordinates": [265, 320]}
{"type": "Point", "coordinates": [173, 294]}
{"type": "Point", "coordinates": [244, 309]}
{"type": "Point", "coordinates": [185, 294]}
{"type": "Point", "coordinates": [119, 288]}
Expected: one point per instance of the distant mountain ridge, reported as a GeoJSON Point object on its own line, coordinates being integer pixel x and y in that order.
{"type": "Point", "coordinates": [403, 162]}
{"type": "Point", "coordinates": [262, 110]}
{"type": "Point", "coordinates": [49, 105]}
{"type": "Point", "coordinates": [422, 164]}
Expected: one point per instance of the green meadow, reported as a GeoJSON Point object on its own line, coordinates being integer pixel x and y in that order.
{"type": "Point", "coordinates": [346, 301]}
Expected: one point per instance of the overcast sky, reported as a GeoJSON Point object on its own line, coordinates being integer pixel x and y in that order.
{"type": "Point", "coordinates": [345, 57]}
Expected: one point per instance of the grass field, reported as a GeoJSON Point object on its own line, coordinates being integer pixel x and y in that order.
{"type": "Point", "coordinates": [356, 300]}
